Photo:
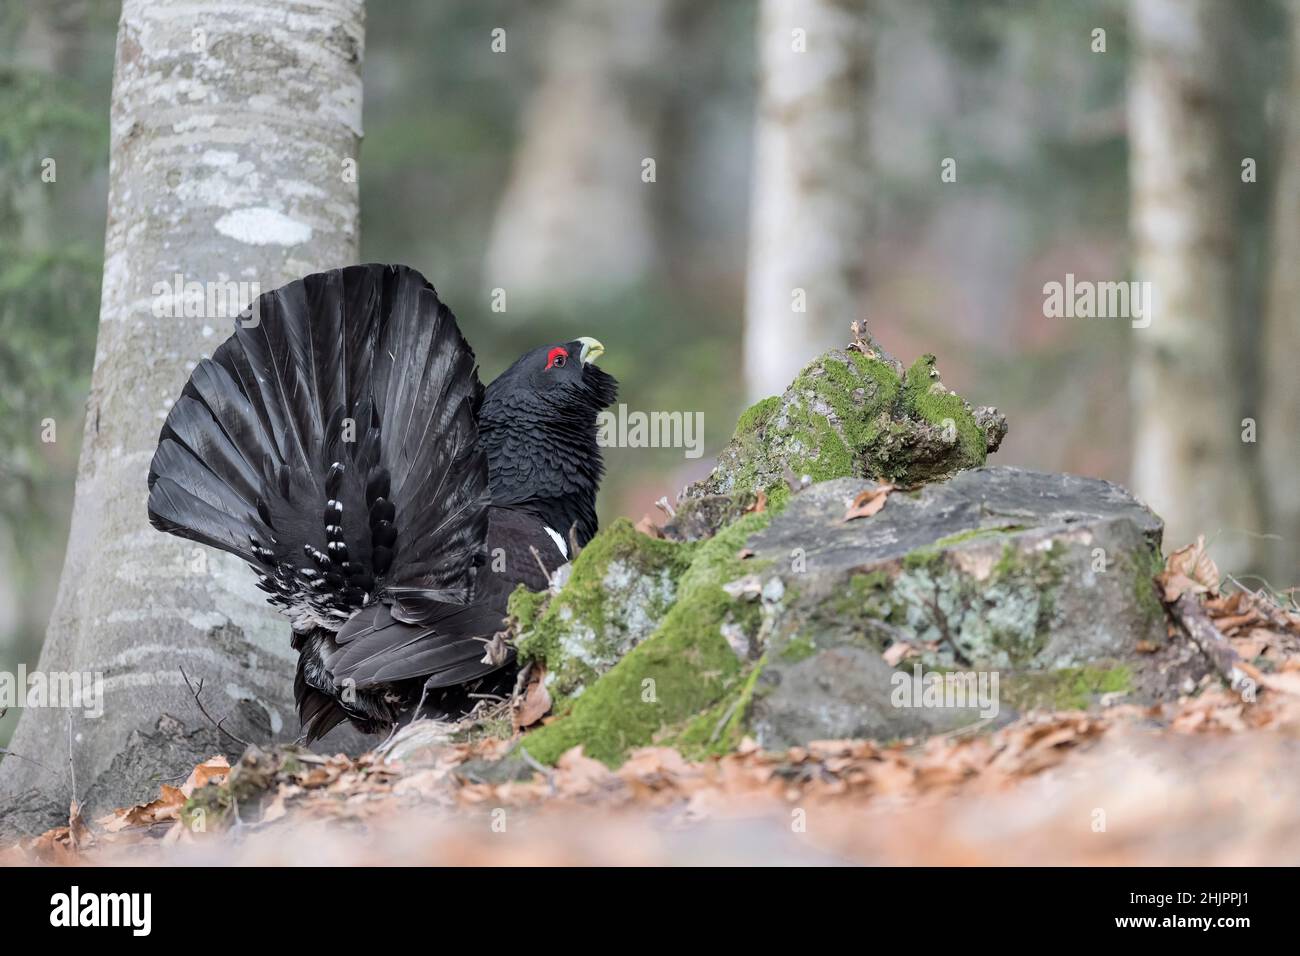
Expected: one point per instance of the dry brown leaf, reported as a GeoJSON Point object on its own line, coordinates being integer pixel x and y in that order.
{"type": "Point", "coordinates": [868, 502]}
{"type": "Point", "coordinates": [212, 770]}
{"type": "Point", "coordinates": [1226, 624]}
{"type": "Point", "coordinates": [166, 807]}
{"type": "Point", "coordinates": [276, 808]}
{"type": "Point", "coordinates": [647, 526]}
{"type": "Point", "coordinates": [898, 652]}
{"type": "Point", "coordinates": [578, 773]}
{"type": "Point", "coordinates": [532, 705]}
{"type": "Point", "coordinates": [79, 835]}
{"type": "Point", "coordinates": [1189, 570]}
{"type": "Point", "coordinates": [1285, 682]}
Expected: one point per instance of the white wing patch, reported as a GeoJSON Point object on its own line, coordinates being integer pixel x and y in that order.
{"type": "Point", "coordinates": [559, 541]}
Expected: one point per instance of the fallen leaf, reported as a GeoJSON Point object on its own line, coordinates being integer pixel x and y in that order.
{"type": "Point", "coordinates": [898, 652]}
{"type": "Point", "coordinates": [212, 770]}
{"type": "Point", "coordinates": [647, 526]}
{"type": "Point", "coordinates": [79, 835]}
{"type": "Point", "coordinates": [1189, 570]}
{"type": "Point", "coordinates": [531, 706]}
{"type": "Point", "coordinates": [868, 502]}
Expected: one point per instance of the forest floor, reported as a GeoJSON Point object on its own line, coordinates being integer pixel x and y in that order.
{"type": "Point", "coordinates": [1208, 779]}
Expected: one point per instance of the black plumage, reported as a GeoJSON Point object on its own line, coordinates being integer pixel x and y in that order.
{"type": "Point", "coordinates": [341, 443]}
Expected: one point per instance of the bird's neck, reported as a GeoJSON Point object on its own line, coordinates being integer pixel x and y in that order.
{"type": "Point", "coordinates": [549, 466]}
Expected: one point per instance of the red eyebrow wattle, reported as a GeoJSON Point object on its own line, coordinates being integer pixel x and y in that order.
{"type": "Point", "coordinates": [551, 355]}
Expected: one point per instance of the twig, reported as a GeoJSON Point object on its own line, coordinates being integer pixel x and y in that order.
{"type": "Point", "coordinates": [1277, 616]}
{"type": "Point", "coordinates": [204, 711]}
{"type": "Point", "coordinates": [1196, 624]}
{"type": "Point", "coordinates": [726, 716]}
{"type": "Point", "coordinates": [541, 768]}
{"type": "Point", "coordinates": [540, 563]}
{"type": "Point", "coordinates": [72, 768]}
{"type": "Point", "coordinates": [10, 753]}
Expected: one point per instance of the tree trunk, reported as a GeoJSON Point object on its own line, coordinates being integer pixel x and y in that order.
{"type": "Point", "coordinates": [1190, 463]}
{"type": "Point", "coordinates": [235, 129]}
{"type": "Point", "coordinates": [577, 216]}
{"type": "Point", "coordinates": [808, 228]}
{"type": "Point", "coordinates": [1280, 407]}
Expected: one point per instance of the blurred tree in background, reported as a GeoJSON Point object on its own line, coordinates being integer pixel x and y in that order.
{"type": "Point", "coordinates": [55, 58]}
{"type": "Point", "coordinates": [519, 165]}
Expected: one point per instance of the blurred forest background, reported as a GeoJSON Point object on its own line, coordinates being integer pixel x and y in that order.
{"type": "Point", "coordinates": [523, 171]}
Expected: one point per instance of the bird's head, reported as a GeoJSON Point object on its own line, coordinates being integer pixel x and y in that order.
{"type": "Point", "coordinates": [538, 427]}
{"type": "Point", "coordinates": [562, 378]}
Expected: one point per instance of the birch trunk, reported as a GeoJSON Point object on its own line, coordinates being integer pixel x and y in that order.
{"type": "Point", "coordinates": [808, 228]}
{"type": "Point", "coordinates": [1189, 462]}
{"type": "Point", "coordinates": [235, 129]}
{"type": "Point", "coordinates": [1280, 410]}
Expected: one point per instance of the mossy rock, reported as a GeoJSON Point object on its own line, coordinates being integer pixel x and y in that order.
{"type": "Point", "coordinates": [684, 669]}
{"type": "Point", "coordinates": [783, 626]}
{"type": "Point", "coordinates": [620, 586]}
{"type": "Point", "coordinates": [1038, 584]}
{"type": "Point", "coordinates": [854, 412]}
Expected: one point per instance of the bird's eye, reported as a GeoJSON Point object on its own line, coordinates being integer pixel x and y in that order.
{"type": "Point", "coordinates": [557, 357]}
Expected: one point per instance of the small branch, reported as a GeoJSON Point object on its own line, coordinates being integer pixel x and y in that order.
{"type": "Point", "coordinates": [1275, 615]}
{"type": "Point", "coordinates": [10, 753]}
{"type": "Point", "coordinates": [1196, 624]}
{"type": "Point", "coordinates": [72, 769]}
{"type": "Point", "coordinates": [541, 768]}
{"type": "Point", "coordinates": [540, 563]}
{"type": "Point", "coordinates": [204, 711]}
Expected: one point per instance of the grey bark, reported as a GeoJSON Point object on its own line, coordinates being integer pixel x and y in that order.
{"type": "Point", "coordinates": [1280, 407]}
{"type": "Point", "coordinates": [808, 227]}
{"type": "Point", "coordinates": [1189, 462]}
{"type": "Point", "coordinates": [233, 129]}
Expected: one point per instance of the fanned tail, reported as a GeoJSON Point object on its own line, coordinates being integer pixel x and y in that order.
{"type": "Point", "coordinates": [331, 443]}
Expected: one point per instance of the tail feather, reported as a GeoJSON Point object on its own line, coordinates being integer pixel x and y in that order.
{"type": "Point", "coordinates": [332, 443]}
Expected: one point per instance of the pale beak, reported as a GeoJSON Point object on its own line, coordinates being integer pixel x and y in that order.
{"type": "Point", "coordinates": [591, 349]}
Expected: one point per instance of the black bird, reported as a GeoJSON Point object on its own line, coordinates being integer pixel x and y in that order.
{"type": "Point", "coordinates": [341, 443]}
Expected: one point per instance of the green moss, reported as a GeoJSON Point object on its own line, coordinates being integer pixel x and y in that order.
{"type": "Point", "coordinates": [938, 406]}
{"type": "Point", "coordinates": [922, 558]}
{"type": "Point", "coordinates": [524, 605]}
{"type": "Point", "coordinates": [799, 648]}
{"type": "Point", "coordinates": [1069, 688]}
{"type": "Point", "coordinates": [816, 448]}
{"type": "Point", "coordinates": [720, 729]}
{"type": "Point", "coordinates": [247, 784]}
{"type": "Point", "coordinates": [753, 419]}
{"type": "Point", "coordinates": [683, 668]}
{"type": "Point", "coordinates": [621, 584]}
{"type": "Point", "coordinates": [848, 413]}
{"type": "Point", "coordinates": [972, 534]}
{"type": "Point", "coordinates": [867, 596]}
{"type": "Point", "coordinates": [1144, 565]}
